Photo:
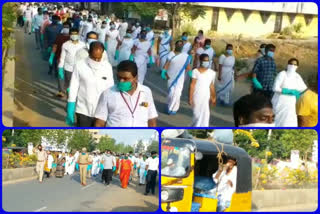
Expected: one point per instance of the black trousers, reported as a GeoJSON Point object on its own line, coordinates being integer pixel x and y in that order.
{"type": "Point", "coordinates": [151, 181]}
{"type": "Point", "coordinates": [107, 175]}
{"type": "Point", "coordinates": [84, 121]}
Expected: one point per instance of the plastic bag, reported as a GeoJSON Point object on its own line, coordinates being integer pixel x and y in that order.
{"type": "Point", "coordinates": [203, 183]}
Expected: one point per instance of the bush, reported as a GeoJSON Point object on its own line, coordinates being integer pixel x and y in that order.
{"type": "Point", "coordinates": [9, 16]}
{"type": "Point", "coordinates": [16, 160]}
{"type": "Point", "coordinates": [189, 28]}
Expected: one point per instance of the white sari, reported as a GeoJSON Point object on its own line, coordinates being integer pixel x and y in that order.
{"type": "Point", "coordinates": [176, 73]}
{"type": "Point", "coordinates": [141, 58]}
{"type": "Point", "coordinates": [112, 46]}
{"type": "Point", "coordinates": [125, 49]}
{"type": "Point", "coordinates": [284, 106]}
{"type": "Point", "coordinates": [225, 86]}
{"type": "Point", "coordinates": [164, 49]}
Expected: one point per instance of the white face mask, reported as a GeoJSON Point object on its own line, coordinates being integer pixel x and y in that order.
{"type": "Point", "coordinates": [291, 69]}
{"type": "Point", "coordinates": [258, 125]}
{"type": "Point", "coordinates": [65, 31]}
{"type": "Point", "coordinates": [94, 64]}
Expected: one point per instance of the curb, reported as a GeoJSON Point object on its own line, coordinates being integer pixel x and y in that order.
{"type": "Point", "coordinates": [19, 180]}
{"type": "Point", "coordinates": [8, 89]}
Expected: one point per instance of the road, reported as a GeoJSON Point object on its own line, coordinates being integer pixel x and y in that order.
{"type": "Point", "coordinates": [291, 208]}
{"type": "Point", "coordinates": [66, 194]}
{"type": "Point", "coordinates": [36, 103]}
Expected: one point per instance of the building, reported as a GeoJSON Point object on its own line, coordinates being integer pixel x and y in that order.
{"type": "Point", "coordinates": [95, 134]}
{"type": "Point", "coordinates": [257, 18]}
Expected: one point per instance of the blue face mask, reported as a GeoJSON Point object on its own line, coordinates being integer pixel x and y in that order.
{"type": "Point", "coordinates": [207, 46]}
{"type": "Point", "coordinates": [229, 52]}
{"type": "Point", "coordinates": [270, 54]}
{"type": "Point", "coordinates": [184, 38]}
{"type": "Point", "coordinates": [205, 64]}
{"type": "Point", "coordinates": [128, 35]}
{"type": "Point", "coordinates": [83, 153]}
{"type": "Point", "coordinates": [90, 41]}
{"type": "Point", "coordinates": [166, 33]}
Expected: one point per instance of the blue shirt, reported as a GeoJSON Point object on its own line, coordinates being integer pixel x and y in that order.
{"type": "Point", "coordinates": [51, 33]}
{"type": "Point", "coordinates": [265, 69]}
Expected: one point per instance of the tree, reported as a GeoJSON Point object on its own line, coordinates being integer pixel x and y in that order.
{"type": "Point", "coordinates": [139, 147]}
{"type": "Point", "coordinates": [80, 139]}
{"type": "Point", "coordinates": [154, 146]}
{"type": "Point", "coordinates": [106, 143]}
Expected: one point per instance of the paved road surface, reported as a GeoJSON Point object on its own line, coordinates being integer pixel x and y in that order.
{"type": "Point", "coordinates": [291, 208]}
{"type": "Point", "coordinates": [36, 104]}
{"type": "Point", "coordinates": [66, 194]}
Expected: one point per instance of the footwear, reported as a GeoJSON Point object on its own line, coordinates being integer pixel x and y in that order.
{"type": "Point", "coordinates": [84, 184]}
{"type": "Point", "coordinates": [172, 113]}
{"type": "Point", "coordinates": [145, 193]}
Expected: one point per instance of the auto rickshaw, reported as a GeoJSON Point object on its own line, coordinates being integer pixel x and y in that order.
{"type": "Point", "coordinates": [199, 158]}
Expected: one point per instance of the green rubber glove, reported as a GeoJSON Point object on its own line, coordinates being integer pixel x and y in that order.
{"type": "Point", "coordinates": [150, 60]}
{"type": "Point", "coordinates": [61, 73]}
{"type": "Point", "coordinates": [292, 92]}
{"type": "Point", "coordinates": [106, 46]}
{"type": "Point", "coordinates": [163, 74]}
{"type": "Point", "coordinates": [71, 108]}
{"type": "Point", "coordinates": [113, 168]}
{"type": "Point", "coordinates": [190, 73]}
{"type": "Point", "coordinates": [51, 58]}
{"type": "Point", "coordinates": [41, 37]}
{"type": "Point", "coordinates": [49, 49]}
{"type": "Point", "coordinates": [145, 173]}
{"type": "Point", "coordinates": [131, 58]}
{"type": "Point", "coordinates": [24, 19]}
{"type": "Point", "coordinates": [256, 83]}
{"type": "Point", "coordinates": [116, 56]}
{"type": "Point", "coordinates": [68, 90]}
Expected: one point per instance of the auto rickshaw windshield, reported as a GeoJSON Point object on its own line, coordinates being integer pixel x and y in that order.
{"type": "Point", "coordinates": [175, 161]}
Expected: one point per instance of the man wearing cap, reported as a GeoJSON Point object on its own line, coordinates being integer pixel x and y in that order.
{"type": "Point", "coordinates": [83, 162]}
{"type": "Point", "coordinates": [41, 158]}
{"type": "Point", "coordinates": [152, 166]}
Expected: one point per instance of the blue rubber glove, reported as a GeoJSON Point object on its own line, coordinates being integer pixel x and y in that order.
{"type": "Point", "coordinates": [291, 92]}
{"type": "Point", "coordinates": [145, 173]}
{"type": "Point", "coordinates": [113, 169]}
{"type": "Point", "coordinates": [256, 83]}
{"type": "Point", "coordinates": [77, 166]}
{"type": "Point", "coordinates": [131, 58]}
{"type": "Point", "coordinates": [71, 108]}
{"type": "Point", "coordinates": [61, 73]}
{"type": "Point", "coordinates": [101, 166]}
{"type": "Point", "coordinates": [163, 74]}
{"type": "Point", "coordinates": [106, 46]}
{"type": "Point", "coordinates": [150, 60]}
{"type": "Point", "coordinates": [49, 49]}
{"type": "Point", "coordinates": [190, 73]}
{"type": "Point", "coordinates": [51, 58]}
{"type": "Point", "coordinates": [116, 56]}
{"type": "Point", "coordinates": [41, 37]}
{"type": "Point", "coordinates": [68, 90]}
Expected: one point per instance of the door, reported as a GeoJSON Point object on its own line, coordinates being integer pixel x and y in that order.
{"type": "Point", "coordinates": [278, 23]}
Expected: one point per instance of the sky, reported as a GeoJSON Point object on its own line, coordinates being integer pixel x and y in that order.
{"type": "Point", "coordinates": [129, 136]}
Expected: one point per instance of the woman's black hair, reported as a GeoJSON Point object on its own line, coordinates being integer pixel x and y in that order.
{"type": "Point", "coordinates": [207, 42]}
{"type": "Point", "coordinates": [249, 104]}
{"type": "Point", "coordinates": [92, 32]}
{"type": "Point", "coordinates": [185, 34]}
{"type": "Point", "coordinates": [202, 56]}
{"type": "Point", "coordinates": [229, 46]}
{"type": "Point", "coordinates": [293, 59]}
{"type": "Point", "coordinates": [128, 66]}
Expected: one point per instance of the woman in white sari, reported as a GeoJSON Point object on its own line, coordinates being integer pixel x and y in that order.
{"type": "Point", "coordinates": [112, 42]}
{"type": "Point", "coordinates": [174, 71]}
{"type": "Point", "coordinates": [141, 52]}
{"type": "Point", "coordinates": [201, 92]}
{"type": "Point", "coordinates": [288, 86]}
{"type": "Point", "coordinates": [164, 43]}
{"type": "Point", "coordinates": [225, 82]}
{"type": "Point", "coordinates": [124, 47]}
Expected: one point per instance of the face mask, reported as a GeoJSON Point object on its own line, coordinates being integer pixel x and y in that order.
{"type": "Point", "coordinates": [148, 29]}
{"type": "Point", "coordinates": [104, 26]}
{"type": "Point", "coordinates": [128, 35]}
{"type": "Point", "coordinates": [263, 51]}
{"type": "Point", "coordinates": [270, 54]}
{"type": "Point", "coordinates": [124, 86]}
{"type": "Point", "coordinates": [166, 32]}
{"type": "Point", "coordinates": [74, 37]}
{"type": "Point", "coordinates": [65, 31]}
{"type": "Point", "coordinates": [83, 153]}
{"type": "Point", "coordinates": [137, 24]}
{"type": "Point", "coordinates": [178, 49]}
{"type": "Point", "coordinates": [207, 46]}
{"type": "Point", "coordinates": [154, 156]}
{"type": "Point", "coordinates": [125, 157]}
{"type": "Point", "coordinates": [184, 38]}
{"type": "Point", "coordinates": [258, 125]}
{"type": "Point", "coordinates": [205, 64]}
{"type": "Point", "coordinates": [229, 52]}
{"type": "Point", "coordinates": [112, 27]}
{"type": "Point", "coordinates": [291, 69]}
{"type": "Point", "coordinates": [94, 64]}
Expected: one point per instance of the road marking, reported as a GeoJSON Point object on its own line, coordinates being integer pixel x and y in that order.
{"type": "Point", "coordinates": [130, 183]}
{"type": "Point", "coordinates": [88, 186]}
{"type": "Point", "coordinates": [40, 209]}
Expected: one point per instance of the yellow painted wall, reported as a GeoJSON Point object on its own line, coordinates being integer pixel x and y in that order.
{"type": "Point", "coordinates": [200, 23]}
{"type": "Point", "coordinates": [310, 30]}
{"type": "Point", "coordinates": [252, 27]}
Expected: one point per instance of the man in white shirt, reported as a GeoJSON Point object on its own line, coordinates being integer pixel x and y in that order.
{"type": "Point", "coordinates": [90, 78]}
{"type": "Point", "coordinates": [86, 28]}
{"type": "Point", "coordinates": [152, 167]}
{"type": "Point", "coordinates": [127, 104]}
{"type": "Point", "coordinates": [37, 23]}
{"type": "Point", "coordinates": [27, 19]}
{"type": "Point", "coordinates": [108, 163]}
{"type": "Point", "coordinates": [68, 57]}
{"type": "Point", "coordinates": [226, 179]}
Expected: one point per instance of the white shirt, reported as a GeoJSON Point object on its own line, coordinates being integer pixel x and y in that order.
{"type": "Point", "coordinates": [152, 163]}
{"type": "Point", "coordinates": [113, 109]}
{"type": "Point", "coordinates": [37, 21]}
{"type": "Point", "coordinates": [28, 14]}
{"type": "Point", "coordinates": [50, 161]}
{"type": "Point", "coordinates": [224, 189]}
{"type": "Point", "coordinates": [87, 84]}
{"type": "Point", "coordinates": [68, 54]}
